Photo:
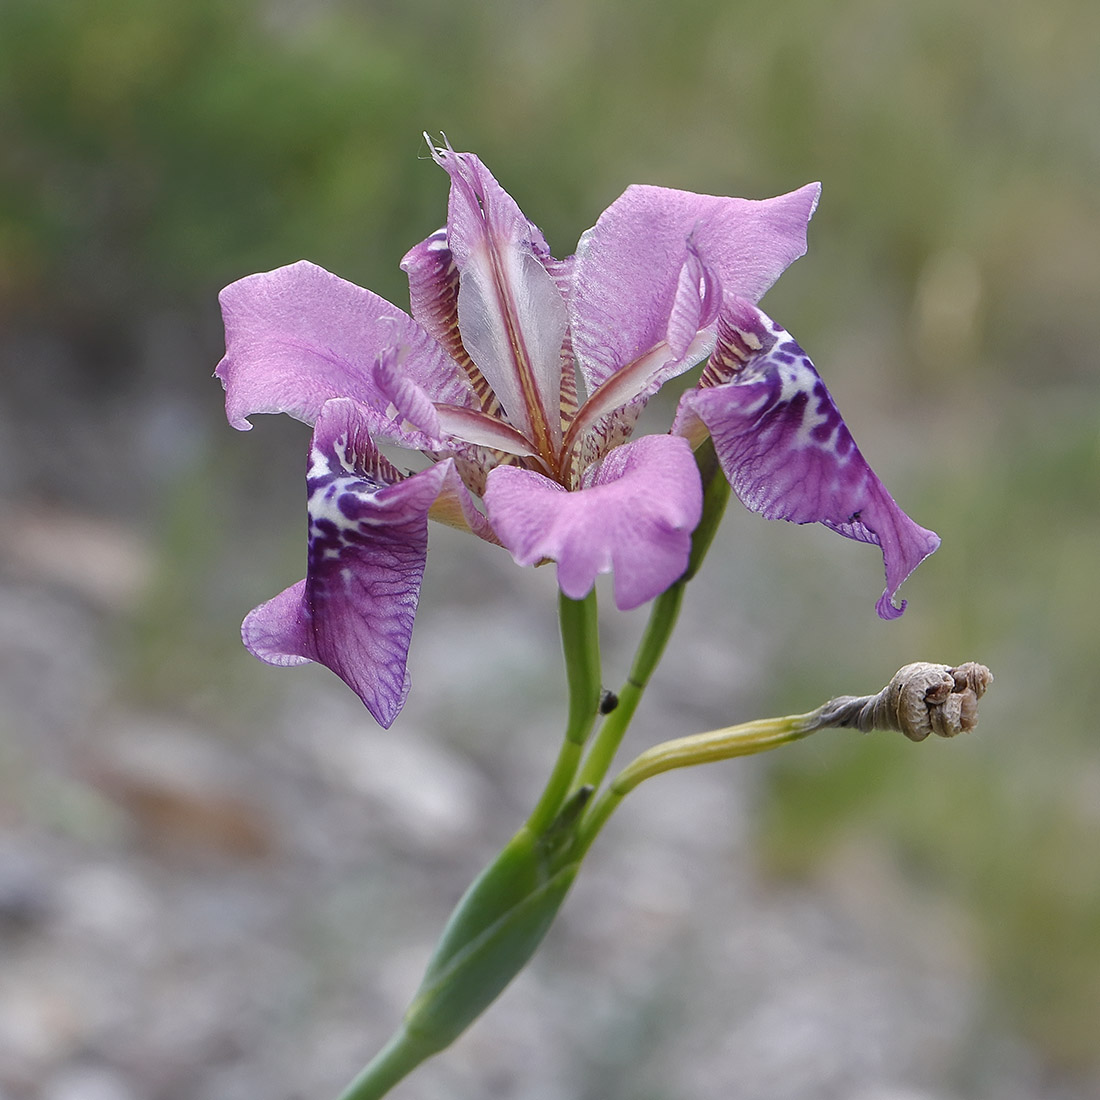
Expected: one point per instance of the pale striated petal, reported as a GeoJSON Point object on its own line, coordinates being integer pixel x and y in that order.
{"type": "Point", "coordinates": [455, 507]}
{"type": "Point", "coordinates": [561, 271]}
{"type": "Point", "coordinates": [512, 317]}
{"type": "Point", "coordinates": [688, 340]}
{"type": "Point", "coordinates": [469, 426]}
{"type": "Point", "coordinates": [788, 453]}
{"type": "Point", "coordinates": [629, 389]}
{"type": "Point", "coordinates": [298, 336]}
{"type": "Point", "coordinates": [601, 436]}
{"type": "Point", "coordinates": [634, 516]}
{"type": "Point", "coordinates": [433, 299]}
{"type": "Point", "coordinates": [628, 266]}
{"type": "Point", "coordinates": [368, 540]}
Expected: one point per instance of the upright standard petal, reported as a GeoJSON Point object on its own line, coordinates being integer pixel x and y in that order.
{"type": "Point", "coordinates": [619, 399]}
{"type": "Point", "coordinates": [786, 450]}
{"type": "Point", "coordinates": [511, 314]}
{"type": "Point", "coordinates": [629, 264]}
{"type": "Point", "coordinates": [433, 299]}
{"type": "Point", "coordinates": [368, 540]}
{"type": "Point", "coordinates": [298, 336]}
{"type": "Point", "coordinates": [633, 515]}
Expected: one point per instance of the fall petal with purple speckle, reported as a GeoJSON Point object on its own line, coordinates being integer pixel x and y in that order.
{"type": "Point", "coordinates": [368, 541]}
{"type": "Point", "coordinates": [786, 450]}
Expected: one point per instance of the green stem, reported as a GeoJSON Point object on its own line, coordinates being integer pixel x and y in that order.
{"type": "Point", "coordinates": [580, 639]}
{"type": "Point", "coordinates": [557, 787]}
{"type": "Point", "coordinates": [504, 915]}
{"type": "Point", "coordinates": [659, 627]}
{"type": "Point", "coordinates": [395, 1061]}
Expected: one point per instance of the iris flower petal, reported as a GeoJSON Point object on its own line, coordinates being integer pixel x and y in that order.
{"type": "Point", "coordinates": [511, 313]}
{"type": "Point", "coordinates": [633, 515]}
{"type": "Point", "coordinates": [368, 541]}
{"type": "Point", "coordinates": [297, 336]}
{"type": "Point", "coordinates": [786, 450]}
{"type": "Point", "coordinates": [629, 263]}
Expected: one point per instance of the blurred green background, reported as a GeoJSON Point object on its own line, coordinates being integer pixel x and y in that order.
{"type": "Point", "coordinates": [153, 152]}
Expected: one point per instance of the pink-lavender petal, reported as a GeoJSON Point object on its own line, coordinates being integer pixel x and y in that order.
{"type": "Point", "coordinates": [511, 314]}
{"type": "Point", "coordinates": [628, 265]}
{"type": "Point", "coordinates": [299, 336]}
{"type": "Point", "coordinates": [412, 410]}
{"type": "Point", "coordinates": [633, 516]}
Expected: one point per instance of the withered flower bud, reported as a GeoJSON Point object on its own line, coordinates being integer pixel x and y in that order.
{"type": "Point", "coordinates": [922, 698]}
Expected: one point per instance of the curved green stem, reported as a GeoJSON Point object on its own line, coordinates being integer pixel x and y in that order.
{"type": "Point", "coordinates": [580, 639]}
{"type": "Point", "coordinates": [506, 912]}
{"type": "Point", "coordinates": [659, 627]}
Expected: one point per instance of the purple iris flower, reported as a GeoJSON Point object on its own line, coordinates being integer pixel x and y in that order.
{"type": "Point", "coordinates": [521, 378]}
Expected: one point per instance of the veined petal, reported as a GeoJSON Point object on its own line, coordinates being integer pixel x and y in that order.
{"type": "Point", "coordinates": [455, 507]}
{"type": "Point", "coordinates": [634, 515]}
{"type": "Point", "coordinates": [696, 302]}
{"type": "Point", "coordinates": [786, 449]}
{"type": "Point", "coordinates": [482, 431]}
{"type": "Point", "coordinates": [694, 307]}
{"type": "Point", "coordinates": [368, 540]}
{"type": "Point", "coordinates": [511, 315]}
{"type": "Point", "coordinates": [433, 298]}
{"type": "Point", "coordinates": [298, 336]}
{"type": "Point", "coordinates": [629, 265]}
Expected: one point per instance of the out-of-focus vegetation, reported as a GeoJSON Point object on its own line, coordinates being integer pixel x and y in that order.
{"type": "Point", "coordinates": [152, 152]}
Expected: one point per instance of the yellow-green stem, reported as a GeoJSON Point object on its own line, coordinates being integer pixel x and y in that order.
{"type": "Point", "coordinates": [683, 752]}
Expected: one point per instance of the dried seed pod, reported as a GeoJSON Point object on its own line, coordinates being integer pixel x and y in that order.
{"type": "Point", "coordinates": [921, 698]}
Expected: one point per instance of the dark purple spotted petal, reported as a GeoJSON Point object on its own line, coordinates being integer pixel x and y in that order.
{"type": "Point", "coordinates": [786, 450]}
{"type": "Point", "coordinates": [298, 336]}
{"type": "Point", "coordinates": [633, 516]}
{"type": "Point", "coordinates": [368, 539]}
